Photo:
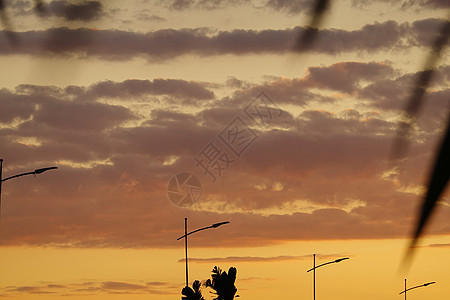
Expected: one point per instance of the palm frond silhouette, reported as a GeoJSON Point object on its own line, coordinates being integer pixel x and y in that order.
{"type": "Point", "coordinates": [223, 283]}
{"type": "Point", "coordinates": [193, 293]}
{"type": "Point", "coordinates": [306, 39]}
{"type": "Point", "coordinates": [440, 172]}
{"type": "Point", "coordinates": [439, 177]}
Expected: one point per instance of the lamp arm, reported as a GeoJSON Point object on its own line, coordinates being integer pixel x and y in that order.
{"type": "Point", "coordinates": [18, 175]}
{"type": "Point", "coordinates": [197, 230]}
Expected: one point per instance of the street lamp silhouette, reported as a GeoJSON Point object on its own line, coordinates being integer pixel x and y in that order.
{"type": "Point", "coordinates": [315, 267]}
{"type": "Point", "coordinates": [415, 287]}
{"type": "Point", "coordinates": [35, 172]}
{"type": "Point", "coordinates": [194, 231]}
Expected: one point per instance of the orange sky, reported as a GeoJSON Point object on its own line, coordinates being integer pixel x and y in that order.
{"type": "Point", "coordinates": [294, 149]}
{"type": "Point", "coordinates": [277, 271]}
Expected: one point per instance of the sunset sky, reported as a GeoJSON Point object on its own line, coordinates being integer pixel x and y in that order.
{"type": "Point", "coordinates": [293, 148]}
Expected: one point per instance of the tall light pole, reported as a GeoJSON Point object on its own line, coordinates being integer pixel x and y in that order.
{"type": "Point", "coordinates": [321, 265]}
{"type": "Point", "coordinates": [415, 287]}
{"type": "Point", "coordinates": [35, 172]}
{"type": "Point", "coordinates": [185, 240]}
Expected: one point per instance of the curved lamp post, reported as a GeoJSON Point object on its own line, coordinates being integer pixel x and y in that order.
{"type": "Point", "coordinates": [415, 287]}
{"type": "Point", "coordinates": [185, 235]}
{"type": "Point", "coordinates": [35, 172]}
{"type": "Point", "coordinates": [321, 265]}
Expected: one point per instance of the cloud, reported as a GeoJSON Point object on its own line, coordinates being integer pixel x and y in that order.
{"type": "Point", "coordinates": [439, 245]}
{"type": "Point", "coordinates": [352, 78]}
{"type": "Point", "coordinates": [290, 7]}
{"type": "Point", "coordinates": [122, 286]}
{"type": "Point", "coordinates": [427, 32]}
{"type": "Point", "coordinates": [187, 90]}
{"type": "Point", "coordinates": [91, 288]}
{"type": "Point", "coordinates": [308, 37]}
{"type": "Point", "coordinates": [164, 44]}
{"type": "Point", "coordinates": [52, 108]}
{"type": "Point", "coordinates": [145, 16]}
{"type": "Point", "coordinates": [307, 166]}
{"type": "Point", "coordinates": [405, 4]}
{"type": "Point", "coordinates": [84, 11]}
{"type": "Point", "coordinates": [14, 106]}
{"type": "Point", "coordinates": [199, 4]}
{"type": "Point", "coordinates": [395, 92]}
{"type": "Point", "coordinates": [370, 38]}
{"type": "Point", "coordinates": [344, 77]}
{"type": "Point", "coordinates": [425, 3]}
{"type": "Point", "coordinates": [30, 290]}
{"type": "Point", "coordinates": [240, 259]}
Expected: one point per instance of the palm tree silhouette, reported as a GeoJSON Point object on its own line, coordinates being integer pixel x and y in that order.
{"type": "Point", "coordinates": [193, 293]}
{"type": "Point", "coordinates": [223, 283]}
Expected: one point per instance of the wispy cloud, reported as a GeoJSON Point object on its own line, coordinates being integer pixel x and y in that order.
{"type": "Point", "coordinates": [91, 288]}
{"type": "Point", "coordinates": [439, 245]}
{"type": "Point", "coordinates": [405, 4]}
{"type": "Point", "coordinates": [84, 11]}
{"type": "Point", "coordinates": [245, 259]}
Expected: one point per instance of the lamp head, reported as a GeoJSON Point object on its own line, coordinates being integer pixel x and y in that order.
{"type": "Point", "coordinates": [341, 259]}
{"type": "Point", "coordinates": [219, 224]}
{"type": "Point", "coordinates": [42, 170]}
